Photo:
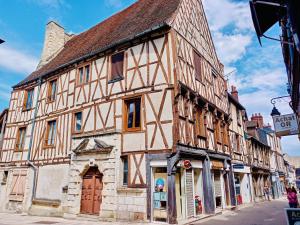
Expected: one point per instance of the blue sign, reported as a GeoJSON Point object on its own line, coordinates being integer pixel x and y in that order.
{"type": "Point", "coordinates": [238, 166]}
{"type": "Point", "coordinates": [292, 216]}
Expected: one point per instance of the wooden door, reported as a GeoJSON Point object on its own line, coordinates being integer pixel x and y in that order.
{"type": "Point", "coordinates": [91, 196]}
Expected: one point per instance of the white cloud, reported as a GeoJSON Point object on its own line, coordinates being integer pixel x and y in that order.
{"type": "Point", "coordinates": [222, 13]}
{"type": "Point", "coordinates": [55, 4]}
{"type": "Point", "coordinates": [231, 48]}
{"type": "Point", "coordinates": [16, 60]}
{"type": "Point", "coordinates": [114, 3]}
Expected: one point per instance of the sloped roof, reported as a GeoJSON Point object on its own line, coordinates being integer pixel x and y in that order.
{"type": "Point", "coordinates": [139, 18]}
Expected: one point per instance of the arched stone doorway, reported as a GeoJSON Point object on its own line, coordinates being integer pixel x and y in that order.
{"type": "Point", "coordinates": [91, 195]}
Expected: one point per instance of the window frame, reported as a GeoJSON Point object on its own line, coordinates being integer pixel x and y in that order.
{"type": "Point", "coordinates": [117, 78]}
{"type": "Point", "coordinates": [74, 122]}
{"type": "Point", "coordinates": [84, 80]}
{"type": "Point", "coordinates": [17, 145]}
{"type": "Point", "coordinates": [25, 103]}
{"type": "Point", "coordinates": [46, 139]}
{"type": "Point", "coordinates": [49, 93]}
{"type": "Point", "coordinates": [125, 114]}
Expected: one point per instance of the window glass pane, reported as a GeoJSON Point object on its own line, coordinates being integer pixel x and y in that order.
{"type": "Point", "coordinates": [137, 113]}
{"type": "Point", "coordinates": [80, 76]}
{"type": "Point", "coordinates": [53, 90]}
{"type": "Point", "coordinates": [54, 131]}
{"type": "Point", "coordinates": [130, 114]}
{"type": "Point", "coordinates": [29, 99]}
{"type": "Point", "coordinates": [125, 171]}
{"type": "Point", "coordinates": [78, 117]}
{"type": "Point", "coordinates": [117, 61]}
{"type": "Point", "coordinates": [87, 74]}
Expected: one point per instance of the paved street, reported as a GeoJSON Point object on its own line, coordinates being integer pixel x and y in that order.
{"type": "Point", "coordinates": [267, 213]}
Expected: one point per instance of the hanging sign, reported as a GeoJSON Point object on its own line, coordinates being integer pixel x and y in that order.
{"type": "Point", "coordinates": [292, 216]}
{"type": "Point", "coordinates": [187, 164]}
{"type": "Point", "coordinates": [286, 125]}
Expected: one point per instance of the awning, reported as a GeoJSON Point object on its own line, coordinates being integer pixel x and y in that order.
{"type": "Point", "coordinates": [265, 14]}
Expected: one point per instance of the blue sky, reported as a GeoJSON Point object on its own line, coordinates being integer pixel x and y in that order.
{"type": "Point", "coordinates": [259, 71]}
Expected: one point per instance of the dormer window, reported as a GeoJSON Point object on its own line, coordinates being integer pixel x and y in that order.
{"type": "Point", "coordinates": [117, 66]}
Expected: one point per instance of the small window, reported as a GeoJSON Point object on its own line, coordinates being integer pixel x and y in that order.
{"type": "Point", "coordinates": [83, 75]}
{"type": "Point", "coordinates": [21, 139]}
{"type": "Point", "coordinates": [125, 170]}
{"type": "Point", "coordinates": [78, 121]}
{"type": "Point", "coordinates": [52, 90]}
{"type": "Point", "coordinates": [28, 101]}
{"type": "Point", "coordinates": [117, 66]}
{"type": "Point", "coordinates": [197, 65]}
{"type": "Point", "coordinates": [4, 178]}
{"type": "Point", "coordinates": [51, 133]}
{"type": "Point", "coordinates": [132, 114]}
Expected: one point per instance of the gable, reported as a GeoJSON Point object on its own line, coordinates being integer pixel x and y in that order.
{"type": "Point", "coordinates": [190, 22]}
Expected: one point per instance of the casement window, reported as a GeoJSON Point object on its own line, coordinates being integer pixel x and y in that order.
{"type": "Point", "coordinates": [200, 123]}
{"type": "Point", "coordinates": [197, 65]}
{"type": "Point", "coordinates": [51, 133]}
{"type": "Point", "coordinates": [78, 122]}
{"type": "Point", "coordinates": [83, 75]}
{"type": "Point", "coordinates": [125, 170]}
{"type": "Point", "coordinates": [117, 66]}
{"type": "Point", "coordinates": [52, 90]}
{"type": "Point", "coordinates": [132, 114]}
{"type": "Point", "coordinates": [21, 139]}
{"type": "Point", "coordinates": [28, 100]}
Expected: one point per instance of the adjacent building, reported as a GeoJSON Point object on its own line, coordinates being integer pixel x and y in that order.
{"type": "Point", "coordinates": [131, 120]}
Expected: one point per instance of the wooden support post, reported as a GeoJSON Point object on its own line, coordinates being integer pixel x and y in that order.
{"type": "Point", "coordinates": [208, 193]}
{"type": "Point", "coordinates": [172, 211]}
{"type": "Point", "coordinates": [231, 186]}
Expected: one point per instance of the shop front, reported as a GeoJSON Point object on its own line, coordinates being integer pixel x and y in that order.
{"type": "Point", "coordinates": [242, 183]}
{"type": "Point", "coordinates": [261, 179]}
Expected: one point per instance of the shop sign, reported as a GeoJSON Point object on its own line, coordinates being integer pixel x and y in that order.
{"type": "Point", "coordinates": [238, 166]}
{"type": "Point", "coordinates": [286, 125]}
{"type": "Point", "coordinates": [217, 164]}
{"type": "Point", "coordinates": [187, 164]}
{"type": "Point", "coordinates": [292, 216]}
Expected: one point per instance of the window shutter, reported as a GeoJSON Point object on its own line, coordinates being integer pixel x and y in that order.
{"type": "Point", "coordinates": [197, 65]}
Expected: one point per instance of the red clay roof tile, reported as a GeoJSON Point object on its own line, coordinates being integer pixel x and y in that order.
{"type": "Point", "coordinates": [127, 24]}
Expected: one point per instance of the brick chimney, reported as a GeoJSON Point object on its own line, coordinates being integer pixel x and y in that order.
{"type": "Point", "coordinates": [234, 93]}
{"type": "Point", "coordinates": [259, 119]}
{"type": "Point", "coordinates": [55, 39]}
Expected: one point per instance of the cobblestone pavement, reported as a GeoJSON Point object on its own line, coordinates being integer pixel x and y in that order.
{"type": "Point", "coordinates": [266, 213]}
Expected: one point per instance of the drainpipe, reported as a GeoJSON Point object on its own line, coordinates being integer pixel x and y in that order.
{"type": "Point", "coordinates": [31, 141]}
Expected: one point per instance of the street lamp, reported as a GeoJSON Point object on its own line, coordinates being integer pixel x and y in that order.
{"type": "Point", "coordinates": [1, 41]}
{"type": "Point", "coordinates": [275, 111]}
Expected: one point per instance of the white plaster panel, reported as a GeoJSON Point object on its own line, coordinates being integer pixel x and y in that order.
{"type": "Point", "coordinates": [51, 180]}
{"type": "Point", "coordinates": [134, 142]}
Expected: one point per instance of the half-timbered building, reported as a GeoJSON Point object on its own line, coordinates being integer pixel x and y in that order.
{"type": "Point", "coordinates": [127, 120]}
{"type": "Point", "coordinates": [240, 157]}
{"type": "Point", "coordinates": [259, 152]}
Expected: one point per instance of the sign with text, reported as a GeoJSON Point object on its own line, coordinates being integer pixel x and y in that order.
{"type": "Point", "coordinates": [286, 125]}
{"type": "Point", "coordinates": [292, 216]}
